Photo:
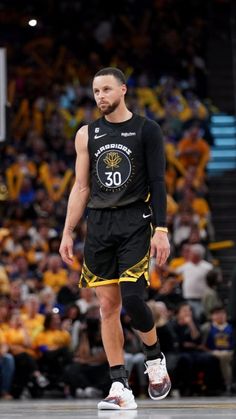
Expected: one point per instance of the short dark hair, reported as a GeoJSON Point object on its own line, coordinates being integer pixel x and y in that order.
{"type": "Point", "coordinates": [112, 71]}
{"type": "Point", "coordinates": [217, 308]}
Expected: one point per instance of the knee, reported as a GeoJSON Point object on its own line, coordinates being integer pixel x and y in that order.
{"type": "Point", "coordinates": [109, 308]}
{"type": "Point", "coordinates": [131, 303]}
{"type": "Point", "coordinates": [139, 312]}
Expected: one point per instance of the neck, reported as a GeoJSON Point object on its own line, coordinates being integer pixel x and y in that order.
{"type": "Point", "coordinates": [119, 115]}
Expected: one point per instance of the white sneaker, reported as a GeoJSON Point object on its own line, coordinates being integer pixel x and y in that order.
{"type": "Point", "coordinates": [119, 397]}
{"type": "Point", "coordinates": [159, 380]}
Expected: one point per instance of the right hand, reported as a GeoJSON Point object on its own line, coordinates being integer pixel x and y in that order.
{"type": "Point", "coordinates": [66, 249]}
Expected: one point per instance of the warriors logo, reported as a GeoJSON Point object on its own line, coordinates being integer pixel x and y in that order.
{"type": "Point", "coordinates": [112, 160]}
{"type": "Point", "coordinates": [113, 169]}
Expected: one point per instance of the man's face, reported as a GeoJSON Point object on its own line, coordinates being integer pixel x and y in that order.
{"type": "Point", "coordinates": [108, 93]}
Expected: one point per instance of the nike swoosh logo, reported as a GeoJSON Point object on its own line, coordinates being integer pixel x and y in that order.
{"type": "Point", "coordinates": [146, 216]}
{"type": "Point", "coordinates": [99, 136]}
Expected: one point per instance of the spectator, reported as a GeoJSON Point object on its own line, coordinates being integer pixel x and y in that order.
{"type": "Point", "coordinates": [194, 151]}
{"type": "Point", "coordinates": [88, 375]}
{"type": "Point", "coordinates": [73, 315]}
{"type": "Point", "coordinates": [194, 278]}
{"type": "Point", "coordinates": [55, 276]}
{"type": "Point", "coordinates": [182, 226]}
{"type": "Point", "coordinates": [193, 359]}
{"type": "Point", "coordinates": [53, 347]}
{"type": "Point", "coordinates": [20, 346]}
{"type": "Point", "coordinates": [218, 339]}
{"type": "Point", "coordinates": [211, 298]}
{"type": "Point", "coordinates": [32, 319]}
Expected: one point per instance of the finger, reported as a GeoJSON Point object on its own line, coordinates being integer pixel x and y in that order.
{"type": "Point", "coordinates": [162, 256]}
{"type": "Point", "coordinates": [159, 259]}
{"type": "Point", "coordinates": [67, 260]}
{"type": "Point", "coordinates": [67, 255]}
{"type": "Point", "coordinates": [68, 251]}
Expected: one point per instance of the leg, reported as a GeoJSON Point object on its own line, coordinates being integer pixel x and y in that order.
{"type": "Point", "coordinates": [184, 373]}
{"type": "Point", "coordinates": [142, 320]}
{"type": "Point", "coordinates": [8, 367]}
{"type": "Point", "coordinates": [211, 367]}
{"type": "Point", "coordinates": [149, 338]}
{"type": "Point", "coordinates": [225, 359]}
{"type": "Point", "coordinates": [141, 316]}
{"type": "Point", "coordinates": [120, 396]}
{"type": "Point", "coordinates": [112, 333]}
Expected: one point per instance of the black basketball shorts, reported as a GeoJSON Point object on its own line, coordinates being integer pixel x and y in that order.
{"type": "Point", "coordinates": [117, 245]}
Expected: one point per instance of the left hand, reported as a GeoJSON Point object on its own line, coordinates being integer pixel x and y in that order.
{"type": "Point", "coordinates": [160, 247]}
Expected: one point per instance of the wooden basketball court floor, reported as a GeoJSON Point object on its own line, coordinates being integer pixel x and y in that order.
{"type": "Point", "coordinates": [194, 408]}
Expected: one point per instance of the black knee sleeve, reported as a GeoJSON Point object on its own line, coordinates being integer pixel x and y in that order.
{"type": "Point", "coordinates": [133, 302]}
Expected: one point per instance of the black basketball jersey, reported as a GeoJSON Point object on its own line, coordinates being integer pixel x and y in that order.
{"type": "Point", "coordinates": [117, 163]}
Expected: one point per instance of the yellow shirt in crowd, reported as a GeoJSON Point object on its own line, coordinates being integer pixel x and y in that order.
{"type": "Point", "coordinates": [55, 280]}
{"type": "Point", "coordinates": [53, 339]}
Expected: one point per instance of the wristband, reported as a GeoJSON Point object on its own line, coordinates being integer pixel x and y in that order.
{"type": "Point", "coordinates": [163, 229]}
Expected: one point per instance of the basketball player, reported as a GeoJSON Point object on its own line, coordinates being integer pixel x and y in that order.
{"type": "Point", "coordinates": [120, 178]}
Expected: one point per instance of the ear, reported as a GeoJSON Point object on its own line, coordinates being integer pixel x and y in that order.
{"type": "Point", "coordinates": [124, 88]}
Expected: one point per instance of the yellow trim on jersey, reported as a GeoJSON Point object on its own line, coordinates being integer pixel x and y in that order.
{"type": "Point", "coordinates": [93, 280]}
{"type": "Point", "coordinates": [105, 282]}
{"type": "Point", "coordinates": [133, 273]}
{"type": "Point", "coordinates": [148, 197]}
{"type": "Point", "coordinates": [128, 279]}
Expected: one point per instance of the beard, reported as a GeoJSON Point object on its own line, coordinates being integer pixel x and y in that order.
{"type": "Point", "coordinates": [110, 108]}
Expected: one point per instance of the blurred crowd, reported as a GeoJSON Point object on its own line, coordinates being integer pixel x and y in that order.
{"type": "Point", "coordinates": [50, 336]}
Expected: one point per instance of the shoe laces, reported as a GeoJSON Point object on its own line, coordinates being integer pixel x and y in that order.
{"type": "Point", "coordinates": [156, 371]}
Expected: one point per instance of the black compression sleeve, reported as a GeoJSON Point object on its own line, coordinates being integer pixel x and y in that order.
{"type": "Point", "coordinates": [155, 165]}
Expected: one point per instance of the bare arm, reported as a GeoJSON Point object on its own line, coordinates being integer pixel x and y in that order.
{"type": "Point", "coordinates": [79, 195]}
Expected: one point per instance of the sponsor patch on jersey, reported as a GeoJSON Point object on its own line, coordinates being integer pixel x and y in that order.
{"type": "Point", "coordinates": [128, 134]}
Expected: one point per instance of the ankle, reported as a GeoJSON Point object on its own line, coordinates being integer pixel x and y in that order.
{"type": "Point", "coordinates": [153, 351]}
{"type": "Point", "coordinates": [120, 374]}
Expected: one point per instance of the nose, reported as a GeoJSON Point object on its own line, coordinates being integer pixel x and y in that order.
{"type": "Point", "coordinates": [101, 96]}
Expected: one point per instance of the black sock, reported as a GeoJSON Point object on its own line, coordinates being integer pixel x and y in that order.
{"type": "Point", "coordinates": [153, 351]}
{"type": "Point", "coordinates": [119, 373]}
